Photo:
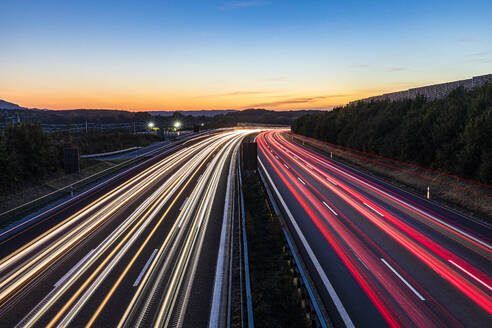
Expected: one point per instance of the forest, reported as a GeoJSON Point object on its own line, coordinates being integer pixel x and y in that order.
{"type": "Point", "coordinates": [451, 134]}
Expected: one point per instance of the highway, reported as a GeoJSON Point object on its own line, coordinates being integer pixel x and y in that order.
{"type": "Point", "coordinates": [140, 252]}
{"type": "Point", "coordinates": [379, 256]}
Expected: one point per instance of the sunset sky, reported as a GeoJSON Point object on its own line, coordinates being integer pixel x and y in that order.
{"type": "Point", "coordinates": [178, 55]}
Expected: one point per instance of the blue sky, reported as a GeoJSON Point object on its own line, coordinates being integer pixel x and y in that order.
{"type": "Point", "coordinates": [234, 54]}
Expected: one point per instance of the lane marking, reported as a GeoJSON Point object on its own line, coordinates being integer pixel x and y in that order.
{"type": "Point", "coordinates": [286, 166]}
{"type": "Point", "coordinates": [376, 186]}
{"type": "Point", "coordinates": [331, 209]}
{"type": "Point", "coordinates": [470, 274]}
{"type": "Point", "coordinates": [220, 268]}
{"type": "Point", "coordinates": [184, 203]}
{"type": "Point", "coordinates": [404, 281]}
{"type": "Point", "coordinates": [324, 278]}
{"type": "Point", "coordinates": [373, 209]}
{"type": "Point", "coordinates": [146, 266]}
{"type": "Point", "coordinates": [333, 182]}
{"type": "Point", "coordinates": [360, 260]}
{"type": "Point", "coordinates": [75, 267]}
{"type": "Point", "coordinates": [301, 181]}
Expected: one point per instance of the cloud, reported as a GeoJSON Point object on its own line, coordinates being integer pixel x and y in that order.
{"type": "Point", "coordinates": [480, 57]}
{"type": "Point", "coordinates": [234, 93]}
{"type": "Point", "coordinates": [396, 69]}
{"type": "Point", "coordinates": [358, 65]}
{"type": "Point", "coordinates": [293, 101]}
{"type": "Point", "coordinates": [242, 4]}
{"type": "Point", "coordinates": [466, 39]}
{"type": "Point", "coordinates": [479, 54]}
{"type": "Point", "coordinates": [274, 79]}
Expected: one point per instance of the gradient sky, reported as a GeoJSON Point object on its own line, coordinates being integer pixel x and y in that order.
{"type": "Point", "coordinates": [144, 55]}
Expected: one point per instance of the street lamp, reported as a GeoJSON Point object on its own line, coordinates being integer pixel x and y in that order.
{"type": "Point", "coordinates": [150, 125]}
{"type": "Point", "coordinates": [177, 124]}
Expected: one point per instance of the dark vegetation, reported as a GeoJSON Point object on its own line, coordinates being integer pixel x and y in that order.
{"type": "Point", "coordinates": [257, 116]}
{"type": "Point", "coordinates": [452, 134]}
{"type": "Point", "coordinates": [275, 299]}
{"type": "Point", "coordinates": [28, 154]}
{"type": "Point", "coordinates": [80, 116]}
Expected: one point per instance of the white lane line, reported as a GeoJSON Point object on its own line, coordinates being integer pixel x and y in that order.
{"type": "Point", "coordinates": [215, 308]}
{"type": "Point", "coordinates": [333, 182]}
{"type": "Point", "coordinates": [324, 278]}
{"type": "Point", "coordinates": [360, 260]}
{"type": "Point", "coordinates": [135, 284]}
{"type": "Point", "coordinates": [301, 181]}
{"type": "Point", "coordinates": [404, 281]}
{"type": "Point", "coordinates": [286, 166]}
{"type": "Point", "coordinates": [331, 209]}
{"type": "Point", "coordinates": [183, 205]}
{"type": "Point", "coordinates": [276, 156]}
{"type": "Point", "coordinates": [75, 267]}
{"type": "Point", "coordinates": [470, 274]}
{"type": "Point", "coordinates": [373, 209]}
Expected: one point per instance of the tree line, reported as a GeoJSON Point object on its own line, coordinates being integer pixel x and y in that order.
{"type": "Point", "coordinates": [452, 134]}
{"type": "Point", "coordinates": [29, 154]}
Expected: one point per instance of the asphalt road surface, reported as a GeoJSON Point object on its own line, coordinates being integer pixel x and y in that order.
{"type": "Point", "coordinates": [379, 256]}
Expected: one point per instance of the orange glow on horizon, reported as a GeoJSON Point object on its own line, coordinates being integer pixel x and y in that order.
{"type": "Point", "coordinates": [129, 103]}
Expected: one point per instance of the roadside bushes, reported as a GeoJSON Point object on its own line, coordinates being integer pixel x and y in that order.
{"type": "Point", "coordinates": [26, 153]}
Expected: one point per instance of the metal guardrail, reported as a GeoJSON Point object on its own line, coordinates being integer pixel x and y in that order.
{"type": "Point", "coordinates": [306, 284]}
{"type": "Point", "coordinates": [116, 152]}
{"type": "Point", "coordinates": [249, 299]}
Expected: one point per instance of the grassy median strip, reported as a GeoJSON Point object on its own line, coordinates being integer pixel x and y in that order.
{"type": "Point", "coordinates": [276, 300]}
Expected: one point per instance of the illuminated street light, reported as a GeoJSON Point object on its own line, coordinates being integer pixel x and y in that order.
{"type": "Point", "coordinates": [177, 124]}
{"type": "Point", "coordinates": [151, 125]}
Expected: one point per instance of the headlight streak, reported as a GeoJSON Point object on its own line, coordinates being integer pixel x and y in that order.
{"type": "Point", "coordinates": [183, 242]}
{"type": "Point", "coordinates": [180, 229]}
{"type": "Point", "coordinates": [44, 238]}
{"type": "Point", "coordinates": [46, 256]}
{"type": "Point", "coordinates": [196, 237]}
{"type": "Point", "coordinates": [151, 175]}
{"type": "Point", "coordinates": [199, 159]}
{"type": "Point", "coordinates": [113, 236]}
{"type": "Point", "coordinates": [185, 170]}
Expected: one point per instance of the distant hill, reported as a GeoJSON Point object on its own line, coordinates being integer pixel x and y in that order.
{"type": "Point", "coordinates": [8, 105]}
{"type": "Point", "coordinates": [207, 113]}
{"type": "Point", "coordinates": [188, 119]}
